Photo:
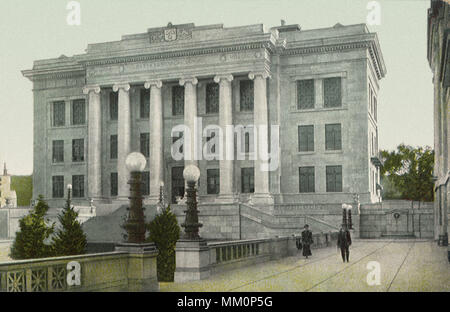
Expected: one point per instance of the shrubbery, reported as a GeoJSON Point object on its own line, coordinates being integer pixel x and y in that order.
{"type": "Point", "coordinates": [164, 232]}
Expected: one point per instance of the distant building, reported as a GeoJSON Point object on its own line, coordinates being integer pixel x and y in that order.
{"type": "Point", "coordinates": [439, 60]}
{"type": "Point", "coordinates": [320, 86]}
{"type": "Point", "coordinates": [8, 197]}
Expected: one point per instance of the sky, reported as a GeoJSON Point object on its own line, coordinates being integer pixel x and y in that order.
{"type": "Point", "coordinates": [32, 30]}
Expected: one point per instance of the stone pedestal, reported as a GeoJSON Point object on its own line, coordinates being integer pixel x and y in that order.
{"type": "Point", "coordinates": [192, 260]}
{"type": "Point", "coordinates": [142, 274]}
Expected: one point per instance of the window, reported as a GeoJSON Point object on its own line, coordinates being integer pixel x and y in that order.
{"type": "Point", "coordinates": [58, 186]}
{"type": "Point", "coordinates": [332, 92]}
{"type": "Point", "coordinates": [213, 181]}
{"type": "Point", "coordinates": [78, 150]}
{"type": "Point", "coordinates": [246, 95]}
{"type": "Point", "coordinates": [78, 186]}
{"type": "Point", "coordinates": [113, 105]}
{"type": "Point", "coordinates": [307, 179]}
{"type": "Point", "coordinates": [177, 183]}
{"type": "Point", "coordinates": [177, 100]}
{"type": "Point", "coordinates": [212, 98]}
{"type": "Point", "coordinates": [334, 178]}
{"type": "Point", "coordinates": [145, 103]}
{"type": "Point", "coordinates": [306, 138]}
{"type": "Point", "coordinates": [305, 94]}
{"type": "Point", "coordinates": [211, 145]}
{"type": "Point", "coordinates": [145, 144]}
{"type": "Point", "coordinates": [58, 151]}
{"type": "Point", "coordinates": [114, 182]}
{"type": "Point", "coordinates": [375, 107]}
{"type": "Point", "coordinates": [247, 180]}
{"type": "Point", "coordinates": [333, 137]}
{"type": "Point", "coordinates": [59, 114]}
{"type": "Point", "coordinates": [78, 112]}
{"type": "Point", "coordinates": [145, 191]}
{"type": "Point", "coordinates": [113, 147]}
{"type": "Point", "coordinates": [176, 138]}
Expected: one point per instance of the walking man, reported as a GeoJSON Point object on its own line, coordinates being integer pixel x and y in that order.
{"type": "Point", "coordinates": [307, 241]}
{"type": "Point", "coordinates": [344, 242]}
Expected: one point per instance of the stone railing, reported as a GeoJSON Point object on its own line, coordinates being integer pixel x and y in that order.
{"type": "Point", "coordinates": [113, 271]}
{"type": "Point", "coordinates": [234, 254]}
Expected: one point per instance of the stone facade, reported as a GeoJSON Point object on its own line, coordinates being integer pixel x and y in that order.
{"type": "Point", "coordinates": [438, 57]}
{"type": "Point", "coordinates": [335, 71]}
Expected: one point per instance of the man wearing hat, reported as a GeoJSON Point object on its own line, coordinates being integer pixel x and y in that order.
{"type": "Point", "coordinates": [307, 241]}
{"type": "Point", "coordinates": [344, 242]}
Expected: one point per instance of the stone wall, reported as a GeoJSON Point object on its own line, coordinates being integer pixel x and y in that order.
{"type": "Point", "coordinates": [397, 219]}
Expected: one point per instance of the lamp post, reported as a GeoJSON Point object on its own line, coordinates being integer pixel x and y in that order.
{"type": "Point", "coordinates": [135, 224]}
{"type": "Point", "coordinates": [191, 225]}
{"type": "Point", "coordinates": [69, 190]}
{"type": "Point", "coordinates": [344, 215]}
{"type": "Point", "coordinates": [161, 205]}
{"type": "Point", "coordinates": [349, 216]}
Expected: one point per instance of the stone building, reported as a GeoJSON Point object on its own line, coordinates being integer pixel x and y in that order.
{"type": "Point", "coordinates": [439, 59]}
{"type": "Point", "coordinates": [8, 197]}
{"type": "Point", "coordinates": [319, 86]}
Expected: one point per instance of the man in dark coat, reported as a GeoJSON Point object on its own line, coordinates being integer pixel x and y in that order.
{"type": "Point", "coordinates": [307, 241]}
{"type": "Point", "coordinates": [344, 241]}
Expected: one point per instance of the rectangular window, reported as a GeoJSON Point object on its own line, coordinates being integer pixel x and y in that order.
{"type": "Point", "coordinates": [307, 179]}
{"type": "Point", "coordinates": [177, 183]}
{"type": "Point", "coordinates": [59, 114]}
{"type": "Point", "coordinates": [212, 98]}
{"type": "Point", "coordinates": [211, 146]}
{"type": "Point", "coordinates": [334, 178]}
{"type": "Point", "coordinates": [306, 138]}
{"type": "Point", "coordinates": [145, 191]}
{"type": "Point", "coordinates": [177, 100]}
{"type": "Point", "coordinates": [246, 95]}
{"type": "Point", "coordinates": [78, 112]}
{"type": "Point", "coordinates": [305, 94]}
{"type": "Point", "coordinates": [176, 138]}
{"type": "Point", "coordinates": [113, 147]}
{"type": "Point", "coordinates": [332, 92]}
{"type": "Point", "coordinates": [78, 186]}
{"type": "Point", "coordinates": [78, 150]}
{"type": "Point", "coordinates": [213, 177]}
{"type": "Point", "coordinates": [333, 139]}
{"type": "Point", "coordinates": [145, 104]}
{"type": "Point", "coordinates": [145, 144]}
{"type": "Point", "coordinates": [114, 182]}
{"type": "Point", "coordinates": [113, 105]}
{"type": "Point", "coordinates": [58, 186]}
{"type": "Point", "coordinates": [247, 180]}
{"type": "Point", "coordinates": [58, 151]}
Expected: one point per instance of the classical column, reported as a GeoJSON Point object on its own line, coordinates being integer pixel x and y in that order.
{"type": "Point", "coordinates": [123, 138]}
{"type": "Point", "coordinates": [94, 142]}
{"type": "Point", "coordinates": [156, 139]}
{"type": "Point", "coordinates": [260, 120]}
{"type": "Point", "coordinates": [226, 119]}
{"type": "Point", "coordinates": [190, 114]}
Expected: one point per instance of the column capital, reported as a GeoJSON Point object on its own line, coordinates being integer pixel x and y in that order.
{"type": "Point", "coordinates": [156, 83]}
{"type": "Point", "coordinates": [125, 86]}
{"type": "Point", "coordinates": [94, 88]}
{"type": "Point", "coordinates": [221, 77]}
{"type": "Point", "coordinates": [254, 74]}
{"type": "Point", "coordinates": [191, 80]}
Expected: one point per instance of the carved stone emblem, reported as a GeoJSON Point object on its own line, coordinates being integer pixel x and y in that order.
{"type": "Point", "coordinates": [170, 34]}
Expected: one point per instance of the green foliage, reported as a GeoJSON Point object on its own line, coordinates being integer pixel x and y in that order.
{"type": "Point", "coordinates": [70, 238]}
{"type": "Point", "coordinates": [30, 240]}
{"type": "Point", "coordinates": [23, 185]}
{"type": "Point", "coordinates": [409, 171]}
{"type": "Point", "coordinates": [164, 232]}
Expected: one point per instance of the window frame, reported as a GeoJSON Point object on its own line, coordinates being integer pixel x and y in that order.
{"type": "Point", "coordinates": [332, 186]}
{"type": "Point", "coordinates": [310, 186]}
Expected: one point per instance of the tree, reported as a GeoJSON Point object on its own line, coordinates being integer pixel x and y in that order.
{"type": "Point", "coordinates": [410, 171]}
{"type": "Point", "coordinates": [164, 232]}
{"type": "Point", "coordinates": [70, 238]}
{"type": "Point", "coordinates": [34, 231]}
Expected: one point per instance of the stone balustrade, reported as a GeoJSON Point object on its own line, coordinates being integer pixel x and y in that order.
{"type": "Point", "coordinates": [112, 271]}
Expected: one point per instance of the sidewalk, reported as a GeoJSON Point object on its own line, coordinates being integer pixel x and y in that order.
{"type": "Point", "coordinates": [405, 265]}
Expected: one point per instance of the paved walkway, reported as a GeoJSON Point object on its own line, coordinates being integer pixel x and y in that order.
{"type": "Point", "coordinates": [405, 265]}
